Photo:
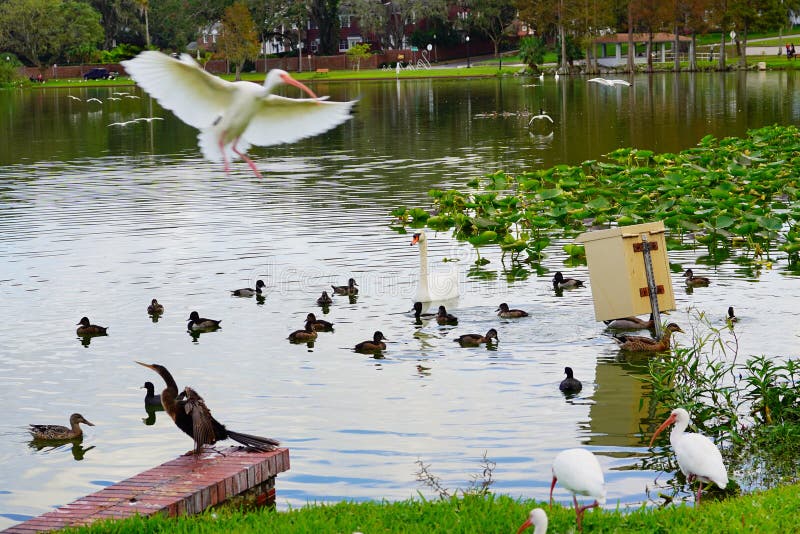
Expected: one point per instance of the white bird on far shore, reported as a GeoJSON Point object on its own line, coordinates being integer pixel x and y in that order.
{"type": "Point", "coordinates": [94, 100]}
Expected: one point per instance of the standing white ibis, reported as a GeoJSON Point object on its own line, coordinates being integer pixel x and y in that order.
{"type": "Point", "coordinates": [537, 519]}
{"type": "Point", "coordinates": [579, 471]}
{"type": "Point", "coordinates": [231, 116]}
{"type": "Point", "coordinates": [698, 457]}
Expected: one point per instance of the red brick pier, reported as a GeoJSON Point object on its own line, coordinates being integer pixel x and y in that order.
{"type": "Point", "coordinates": [185, 485]}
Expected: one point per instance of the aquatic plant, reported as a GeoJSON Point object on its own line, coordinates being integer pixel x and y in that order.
{"type": "Point", "coordinates": [750, 409]}
{"type": "Point", "coordinates": [723, 193]}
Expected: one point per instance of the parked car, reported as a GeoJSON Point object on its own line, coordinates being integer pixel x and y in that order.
{"type": "Point", "coordinates": [99, 74]}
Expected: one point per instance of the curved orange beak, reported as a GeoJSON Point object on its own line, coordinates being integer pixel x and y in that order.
{"type": "Point", "coordinates": [291, 81]}
{"type": "Point", "coordinates": [665, 424]}
{"type": "Point", "coordinates": [524, 525]}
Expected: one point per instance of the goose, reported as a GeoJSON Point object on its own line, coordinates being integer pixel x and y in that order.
{"type": "Point", "coordinates": [542, 115]}
{"type": "Point", "coordinates": [433, 286]}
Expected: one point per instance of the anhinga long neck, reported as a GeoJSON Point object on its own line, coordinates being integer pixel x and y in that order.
{"type": "Point", "coordinates": [172, 386]}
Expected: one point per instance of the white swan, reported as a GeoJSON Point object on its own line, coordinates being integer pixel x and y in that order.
{"type": "Point", "coordinates": [433, 286]}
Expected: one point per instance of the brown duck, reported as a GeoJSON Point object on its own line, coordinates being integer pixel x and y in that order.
{"type": "Point", "coordinates": [155, 308]}
{"type": "Point", "coordinates": [695, 281]}
{"type": "Point", "coordinates": [319, 325]}
{"type": "Point", "coordinates": [646, 344]}
{"type": "Point", "coordinates": [87, 329]}
{"type": "Point", "coordinates": [506, 312]}
{"type": "Point", "coordinates": [473, 340]}
{"type": "Point", "coordinates": [376, 344]}
{"type": "Point", "coordinates": [58, 432]}
{"type": "Point", "coordinates": [306, 334]}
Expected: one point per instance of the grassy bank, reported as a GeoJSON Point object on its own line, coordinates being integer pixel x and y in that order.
{"type": "Point", "coordinates": [769, 511]}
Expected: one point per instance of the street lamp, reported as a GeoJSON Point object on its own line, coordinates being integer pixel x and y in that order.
{"type": "Point", "coordinates": [468, 65]}
{"type": "Point", "coordinates": [435, 59]}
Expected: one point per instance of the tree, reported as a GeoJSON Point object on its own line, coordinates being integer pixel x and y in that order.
{"type": "Point", "coordinates": [492, 18]}
{"type": "Point", "coordinates": [119, 21]}
{"type": "Point", "coordinates": [325, 14]}
{"type": "Point", "coordinates": [280, 20]}
{"type": "Point", "coordinates": [749, 15]}
{"type": "Point", "coordinates": [144, 7]}
{"type": "Point", "coordinates": [357, 52]}
{"type": "Point", "coordinates": [41, 31]}
{"type": "Point", "coordinates": [239, 41]}
{"type": "Point", "coordinates": [171, 26]}
{"type": "Point", "coordinates": [531, 51]}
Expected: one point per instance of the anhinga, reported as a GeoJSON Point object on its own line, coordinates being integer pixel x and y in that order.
{"type": "Point", "coordinates": [191, 415]}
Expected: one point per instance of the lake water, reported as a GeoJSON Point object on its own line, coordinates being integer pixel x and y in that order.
{"type": "Point", "coordinates": [97, 220]}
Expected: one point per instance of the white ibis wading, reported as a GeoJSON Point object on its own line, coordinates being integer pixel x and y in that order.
{"type": "Point", "coordinates": [537, 519]}
{"type": "Point", "coordinates": [698, 457]}
{"type": "Point", "coordinates": [579, 471]}
{"type": "Point", "coordinates": [232, 116]}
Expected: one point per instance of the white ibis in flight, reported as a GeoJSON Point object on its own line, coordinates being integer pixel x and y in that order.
{"type": "Point", "coordinates": [231, 116]}
{"type": "Point", "coordinates": [579, 471]}
{"type": "Point", "coordinates": [698, 457]}
{"type": "Point", "coordinates": [537, 519]}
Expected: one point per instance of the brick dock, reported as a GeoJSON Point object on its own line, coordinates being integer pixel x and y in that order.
{"type": "Point", "coordinates": [185, 485]}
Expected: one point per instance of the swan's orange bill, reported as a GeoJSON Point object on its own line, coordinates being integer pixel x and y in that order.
{"type": "Point", "coordinates": [415, 239]}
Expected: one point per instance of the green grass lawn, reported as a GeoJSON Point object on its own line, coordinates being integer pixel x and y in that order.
{"type": "Point", "coordinates": [769, 511]}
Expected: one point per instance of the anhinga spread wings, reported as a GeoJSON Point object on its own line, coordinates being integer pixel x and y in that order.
{"type": "Point", "coordinates": [189, 412]}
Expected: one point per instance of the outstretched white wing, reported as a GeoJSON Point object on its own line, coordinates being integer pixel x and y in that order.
{"type": "Point", "coordinates": [182, 86]}
{"type": "Point", "coordinates": [285, 120]}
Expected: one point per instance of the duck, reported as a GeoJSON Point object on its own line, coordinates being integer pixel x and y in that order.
{"type": "Point", "coordinates": [473, 340]}
{"type": "Point", "coordinates": [306, 334]}
{"type": "Point", "coordinates": [504, 311]}
{"type": "Point", "coordinates": [647, 344]}
{"type": "Point", "coordinates": [58, 432]}
{"type": "Point", "coordinates": [731, 318]}
{"type": "Point", "coordinates": [350, 289]}
{"type": "Point", "coordinates": [436, 285]}
{"type": "Point", "coordinates": [155, 308]}
{"type": "Point", "coordinates": [150, 398]}
{"type": "Point", "coordinates": [630, 323]}
{"type": "Point", "coordinates": [559, 282]}
{"type": "Point", "coordinates": [324, 299]}
{"type": "Point", "coordinates": [86, 329]}
{"type": "Point", "coordinates": [201, 323]}
{"type": "Point", "coordinates": [695, 281]}
{"type": "Point", "coordinates": [570, 384]}
{"type": "Point", "coordinates": [318, 324]}
{"type": "Point", "coordinates": [417, 309]}
{"type": "Point", "coordinates": [249, 291]}
{"type": "Point", "coordinates": [446, 318]}
{"type": "Point", "coordinates": [374, 345]}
